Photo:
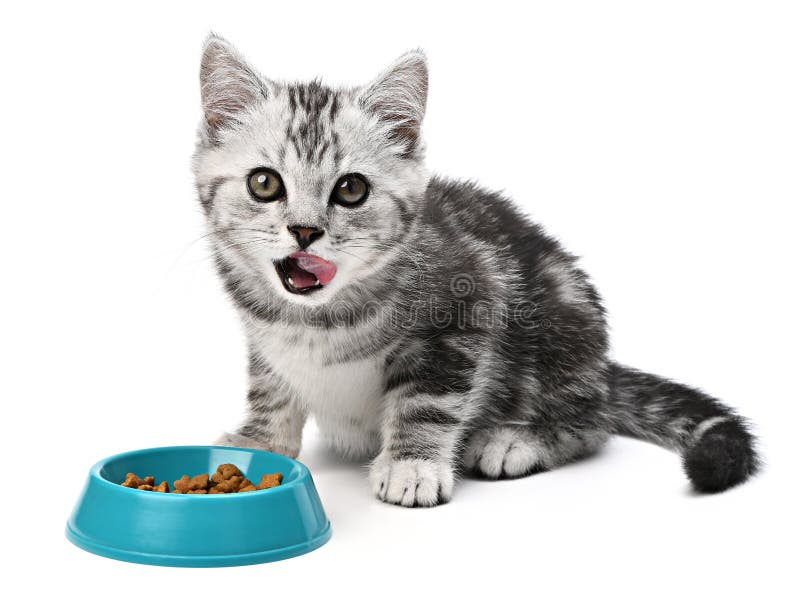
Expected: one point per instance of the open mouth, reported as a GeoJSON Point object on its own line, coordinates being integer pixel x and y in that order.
{"type": "Point", "coordinates": [302, 273]}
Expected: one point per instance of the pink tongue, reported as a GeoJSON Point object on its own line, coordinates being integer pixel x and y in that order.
{"type": "Point", "coordinates": [309, 268]}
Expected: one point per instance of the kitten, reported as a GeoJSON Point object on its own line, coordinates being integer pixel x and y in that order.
{"type": "Point", "coordinates": [425, 323]}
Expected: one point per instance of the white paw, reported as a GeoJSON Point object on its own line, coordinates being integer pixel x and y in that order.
{"type": "Point", "coordinates": [235, 440]}
{"type": "Point", "coordinates": [411, 482]}
{"type": "Point", "coordinates": [504, 452]}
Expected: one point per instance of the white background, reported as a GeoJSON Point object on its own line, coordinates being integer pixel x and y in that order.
{"type": "Point", "coordinates": [660, 141]}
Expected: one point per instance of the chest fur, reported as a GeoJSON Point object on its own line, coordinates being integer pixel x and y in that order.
{"type": "Point", "coordinates": [331, 375]}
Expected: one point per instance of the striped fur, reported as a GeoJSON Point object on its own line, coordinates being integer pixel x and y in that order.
{"type": "Point", "coordinates": [456, 333]}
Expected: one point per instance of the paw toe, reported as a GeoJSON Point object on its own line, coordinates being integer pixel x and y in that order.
{"type": "Point", "coordinates": [491, 463]}
{"type": "Point", "coordinates": [519, 460]}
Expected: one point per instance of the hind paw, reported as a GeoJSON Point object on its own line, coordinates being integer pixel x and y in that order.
{"type": "Point", "coordinates": [504, 452]}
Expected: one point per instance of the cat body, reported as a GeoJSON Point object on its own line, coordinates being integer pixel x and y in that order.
{"type": "Point", "coordinates": [426, 324]}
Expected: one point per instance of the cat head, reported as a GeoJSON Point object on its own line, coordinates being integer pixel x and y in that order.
{"type": "Point", "coordinates": [307, 187]}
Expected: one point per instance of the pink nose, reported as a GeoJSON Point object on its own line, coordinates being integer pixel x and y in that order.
{"type": "Point", "coordinates": [305, 235]}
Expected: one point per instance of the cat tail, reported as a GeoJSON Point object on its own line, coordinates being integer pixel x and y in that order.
{"type": "Point", "coordinates": [716, 445]}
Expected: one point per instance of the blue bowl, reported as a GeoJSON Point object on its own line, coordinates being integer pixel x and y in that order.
{"type": "Point", "coordinates": [198, 530]}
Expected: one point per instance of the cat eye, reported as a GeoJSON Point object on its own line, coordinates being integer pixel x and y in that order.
{"type": "Point", "coordinates": [265, 185]}
{"type": "Point", "coordinates": [350, 190]}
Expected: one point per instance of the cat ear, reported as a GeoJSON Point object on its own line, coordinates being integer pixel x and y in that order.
{"type": "Point", "coordinates": [398, 97]}
{"type": "Point", "coordinates": [228, 85]}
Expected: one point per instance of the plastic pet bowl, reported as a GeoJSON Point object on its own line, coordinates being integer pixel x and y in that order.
{"type": "Point", "coordinates": [197, 530]}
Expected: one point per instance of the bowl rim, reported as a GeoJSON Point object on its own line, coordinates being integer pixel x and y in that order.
{"type": "Point", "coordinates": [94, 473]}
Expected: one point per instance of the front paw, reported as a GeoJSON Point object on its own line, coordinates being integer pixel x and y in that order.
{"type": "Point", "coordinates": [240, 441]}
{"type": "Point", "coordinates": [411, 482]}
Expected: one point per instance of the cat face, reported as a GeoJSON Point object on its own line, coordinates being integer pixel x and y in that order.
{"type": "Point", "coordinates": [309, 188]}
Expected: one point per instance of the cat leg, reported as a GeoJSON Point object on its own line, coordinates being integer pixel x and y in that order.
{"type": "Point", "coordinates": [517, 450]}
{"type": "Point", "coordinates": [419, 450]}
{"type": "Point", "coordinates": [428, 402]}
{"type": "Point", "coordinates": [274, 419]}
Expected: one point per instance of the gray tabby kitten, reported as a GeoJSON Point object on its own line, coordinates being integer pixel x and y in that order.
{"type": "Point", "coordinates": [425, 323]}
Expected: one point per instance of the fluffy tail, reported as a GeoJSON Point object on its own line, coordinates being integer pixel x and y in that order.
{"type": "Point", "coordinates": [717, 448]}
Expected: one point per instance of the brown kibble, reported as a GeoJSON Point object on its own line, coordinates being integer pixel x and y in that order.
{"type": "Point", "coordinates": [225, 472]}
{"type": "Point", "coordinates": [182, 485]}
{"type": "Point", "coordinates": [132, 481]}
{"type": "Point", "coordinates": [200, 482]}
{"type": "Point", "coordinates": [147, 484]}
{"type": "Point", "coordinates": [229, 486]}
{"type": "Point", "coordinates": [227, 479]}
{"type": "Point", "coordinates": [270, 481]}
{"type": "Point", "coordinates": [185, 484]}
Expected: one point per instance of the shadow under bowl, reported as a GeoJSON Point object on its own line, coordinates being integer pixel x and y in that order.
{"type": "Point", "coordinates": [198, 530]}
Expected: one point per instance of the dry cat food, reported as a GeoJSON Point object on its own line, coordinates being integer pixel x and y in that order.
{"type": "Point", "coordinates": [228, 479]}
